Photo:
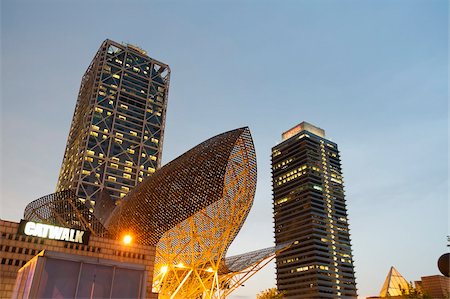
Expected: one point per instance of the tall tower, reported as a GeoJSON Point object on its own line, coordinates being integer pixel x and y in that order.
{"type": "Point", "coordinates": [310, 211]}
{"type": "Point", "coordinates": [116, 135]}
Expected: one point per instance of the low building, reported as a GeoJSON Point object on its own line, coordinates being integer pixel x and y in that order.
{"type": "Point", "coordinates": [17, 249]}
{"type": "Point", "coordinates": [435, 286]}
{"type": "Point", "coordinates": [52, 274]}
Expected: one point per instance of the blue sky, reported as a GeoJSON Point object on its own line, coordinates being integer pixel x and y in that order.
{"type": "Point", "coordinates": [373, 74]}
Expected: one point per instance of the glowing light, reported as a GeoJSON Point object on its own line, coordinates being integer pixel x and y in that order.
{"type": "Point", "coordinates": [180, 265]}
{"type": "Point", "coordinates": [209, 270]}
{"type": "Point", "coordinates": [164, 269]}
{"type": "Point", "coordinates": [127, 239]}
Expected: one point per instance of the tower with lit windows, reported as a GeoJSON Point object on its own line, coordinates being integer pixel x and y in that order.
{"type": "Point", "coordinates": [310, 211]}
{"type": "Point", "coordinates": [116, 135]}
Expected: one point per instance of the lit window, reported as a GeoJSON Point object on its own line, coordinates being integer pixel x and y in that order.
{"type": "Point", "coordinates": [113, 165]}
{"type": "Point", "coordinates": [280, 201]}
{"type": "Point", "coordinates": [85, 171]}
{"type": "Point", "coordinates": [131, 151]}
{"type": "Point", "coordinates": [122, 117]}
{"type": "Point", "coordinates": [133, 133]}
{"type": "Point", "coordinates": [99, 110]}
{"type": "Point", "coordinates": [111, 178]}
{"type": "Point", "coordinates": [127, 169]}
{"type": "Point", "coordinates": [302, 269]}
{"type": "Point", "coordinates": [127, 176]}
{"type": "Point", "coordinates": [116, 76]}
{"type": "Point", "coordinates": [124, 106]}
{"type": "Point", "coordinates": [95, 134]}
{"type": "Point", "coordinates": [129, 163]}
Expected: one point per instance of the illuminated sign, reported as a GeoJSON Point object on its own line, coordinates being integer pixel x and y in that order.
{"type": "Point", "coordinates": [304, 126]}
{"type": "Point", "coordinates": [291, 132]}
{"type": "Point", "coordinates": [47, 231]}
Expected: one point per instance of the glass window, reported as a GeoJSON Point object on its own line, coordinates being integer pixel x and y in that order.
{"type": "Point", "coordinates": [59, 279]}
{"type": "Point", "coordinates": [95, 280]}
{"type": "Point", "coordinates": [127, 283]}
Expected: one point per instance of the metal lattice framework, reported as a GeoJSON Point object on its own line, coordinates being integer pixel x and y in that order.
{"type": "Point", "coordinates": [236, 270]}
{"type": "Point", "coordinates": [63, 209]}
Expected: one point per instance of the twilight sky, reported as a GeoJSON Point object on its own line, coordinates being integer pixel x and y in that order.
{"type": "Point", "coordinates": [373, 74]}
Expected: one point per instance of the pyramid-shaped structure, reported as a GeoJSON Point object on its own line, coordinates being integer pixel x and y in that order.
{"type": "Point", "coordinates": [394, 284]}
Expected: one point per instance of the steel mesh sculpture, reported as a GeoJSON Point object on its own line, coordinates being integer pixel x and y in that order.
{"type": "Point", "coordinates": [191, 210]}
{"type": "Point", "coordinates": [187, 185]}
{"type": "Point", "coordinates": [190, 254]}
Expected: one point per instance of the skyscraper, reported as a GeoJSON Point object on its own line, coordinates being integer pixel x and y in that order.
{"type": "Point", "coordinates": [116, 135]}
{"type": "Point", "coordinates": [310, 211]}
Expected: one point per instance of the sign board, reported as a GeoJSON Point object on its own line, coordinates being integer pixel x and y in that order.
{"type": "Point", "coordinates": [52, 232]}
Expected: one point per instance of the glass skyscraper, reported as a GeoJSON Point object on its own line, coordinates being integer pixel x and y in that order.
{"type": "Point", "coordinates": [310, 212]}
{"type": "Point", "coordinates": [116, 135]}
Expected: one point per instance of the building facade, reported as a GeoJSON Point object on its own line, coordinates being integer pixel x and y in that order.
{"type": "Point", "coordinates": [116, 135]}
{"type": "Point", "coordinates": [435, 286]}
{"type": "Point", "coordinates": [310, 211]}
{"type": "Point", "coordinates": [17, 249]}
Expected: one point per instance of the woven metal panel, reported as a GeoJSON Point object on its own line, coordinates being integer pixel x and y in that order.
{"type": "Point", "coordinates": [193, 250]}
{"type": "Point", "coordinates": [63, 209]}
{"type": "Point", "coordinates": [184, 187]}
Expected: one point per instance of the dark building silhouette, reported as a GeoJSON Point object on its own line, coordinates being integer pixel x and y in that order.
{"type": "Point", "coordinates": [116, 135]}
{"type": "Point", "coordinates": [310, 211]}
